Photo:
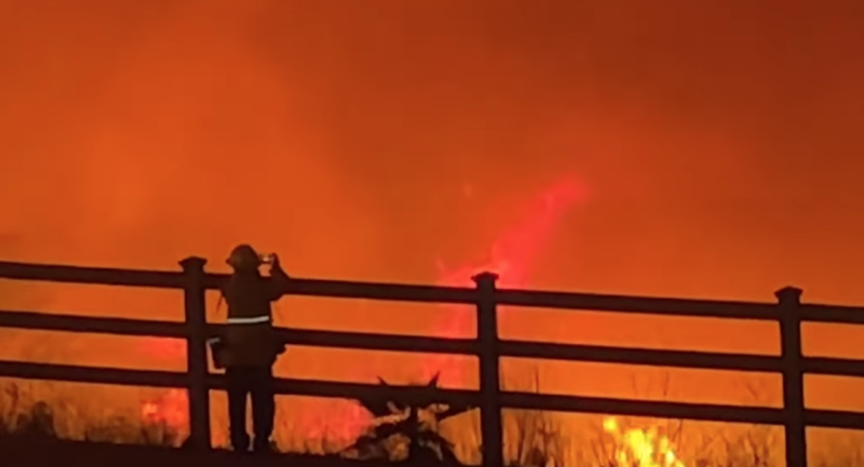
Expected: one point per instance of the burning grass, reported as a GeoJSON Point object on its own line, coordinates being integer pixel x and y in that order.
{"type": "Point", "coordinates": [22, 416]}
{"type": "Point", "coordinates": [533, 439]}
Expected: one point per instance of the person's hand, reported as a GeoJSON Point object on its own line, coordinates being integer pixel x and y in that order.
{"type": "Point", "coordinates": [274, 261]}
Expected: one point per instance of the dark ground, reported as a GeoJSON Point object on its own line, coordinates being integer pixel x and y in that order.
{"type": "Point", "coordinates": [18, 451]}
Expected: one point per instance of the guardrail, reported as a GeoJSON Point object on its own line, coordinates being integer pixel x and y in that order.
{"type": "Point", "coordinates": [789, 312]}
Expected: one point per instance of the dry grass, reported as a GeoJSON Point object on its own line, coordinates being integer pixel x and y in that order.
{"type": "Point", "coordinates": [534, 439]}
{"type": "Point", "coordinates": [19, 416]}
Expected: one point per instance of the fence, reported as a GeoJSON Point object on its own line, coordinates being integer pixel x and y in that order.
{"type": "Point", "coordinates": [789, 312]}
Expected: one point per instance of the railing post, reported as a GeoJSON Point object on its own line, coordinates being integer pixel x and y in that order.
{"type": "Point", "coordinates": [196, 352]}
{"type": "Point", "coordinates": [793, 378]}
{"type": "Point", "coordinates": [490, 380]}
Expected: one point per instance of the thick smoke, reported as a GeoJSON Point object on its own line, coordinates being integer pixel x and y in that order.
{"type": "Point", "coordinates": [137, 133]}
{"type": "Point", "coordinates": [720, 140]}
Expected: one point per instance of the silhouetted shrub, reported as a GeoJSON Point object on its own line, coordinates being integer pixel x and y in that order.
{"type": "Point", "coordinates": [406, 430]}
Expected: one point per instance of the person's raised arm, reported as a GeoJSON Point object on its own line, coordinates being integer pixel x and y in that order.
{"type": "Point", "coordinates": [279, 280]}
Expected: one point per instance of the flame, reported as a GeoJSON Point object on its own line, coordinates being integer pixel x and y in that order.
{"type": "Point", "coordinates": [510, 256]}
{"type": "Point", "coordinates": [636, 447]}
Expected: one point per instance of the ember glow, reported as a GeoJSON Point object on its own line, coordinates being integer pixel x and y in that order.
{"type": "Point", "coordinates": [172, 409]}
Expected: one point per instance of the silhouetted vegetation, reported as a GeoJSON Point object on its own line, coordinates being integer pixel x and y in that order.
{"type": "Point", "coordinates": [404, 432]}
{"type": "Point", "coordinates": [40, 420]}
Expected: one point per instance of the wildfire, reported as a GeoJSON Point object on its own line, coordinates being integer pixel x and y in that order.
{"type": "Point", "coordinates": [636, 447]}
{"type": "Point", "coordinates": [171, 409]}
{"type": "Point", "coordinates": [510, 256]}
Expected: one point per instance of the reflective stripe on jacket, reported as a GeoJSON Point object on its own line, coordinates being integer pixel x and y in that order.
{"type": "Point", "coordinates": [249, 320]}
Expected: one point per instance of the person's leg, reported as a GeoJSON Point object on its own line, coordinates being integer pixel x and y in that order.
{"type": "Point", "coordinates": [238, 389]}
{"type": "Point", "coordinates": [263, 407]}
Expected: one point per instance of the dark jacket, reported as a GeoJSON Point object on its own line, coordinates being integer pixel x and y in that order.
{"type": "Point", "coordinates": [249, 338]}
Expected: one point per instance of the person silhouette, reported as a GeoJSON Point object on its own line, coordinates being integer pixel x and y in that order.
{"type": "Point", "coordinates": [249, 346]}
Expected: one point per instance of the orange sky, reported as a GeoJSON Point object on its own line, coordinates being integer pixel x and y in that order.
{"type": "Point", "coordinates": [720, 140]}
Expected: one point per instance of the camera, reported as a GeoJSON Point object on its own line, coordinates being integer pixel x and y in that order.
{"type": "Point", "coordinates": [266, 258]}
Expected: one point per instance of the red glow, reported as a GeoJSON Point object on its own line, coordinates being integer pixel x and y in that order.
{"type": "Point", "coordinates": [171, 409]}
{"type": "Point", "coordinates": [511, 256]}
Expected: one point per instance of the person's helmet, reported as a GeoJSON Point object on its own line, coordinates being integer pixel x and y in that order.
{"type": "Point", "coordinates": [244, 258]}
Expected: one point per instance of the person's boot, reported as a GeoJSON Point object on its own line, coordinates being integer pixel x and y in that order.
{"type": "Point", "coordinates": [264, 446]}
{"type": "Point", "coordinates": [240, 442]}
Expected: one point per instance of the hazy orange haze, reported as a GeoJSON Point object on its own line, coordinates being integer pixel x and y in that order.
{"type": "Point", "coordinates": [721, 142]}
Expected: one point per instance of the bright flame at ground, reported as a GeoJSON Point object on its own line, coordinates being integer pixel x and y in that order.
{"type": "Point", "coordinates": [636, 447]}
